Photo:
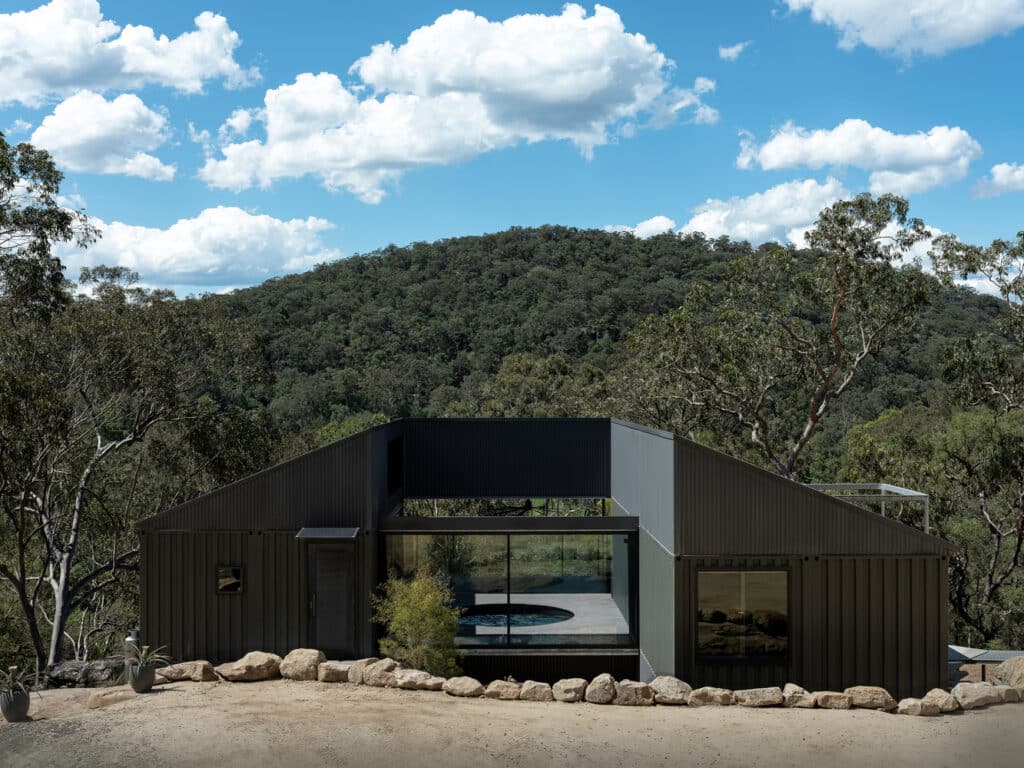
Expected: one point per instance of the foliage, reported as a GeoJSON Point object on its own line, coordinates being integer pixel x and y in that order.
{"type": "Point", "coordinates": [13, 681]}
{"type": "Point", "coordinates": [145, 656]}
{"type": "Point", "coordinates": [350, 425]}
{"type": "Point", "coordinates": [420, 622]}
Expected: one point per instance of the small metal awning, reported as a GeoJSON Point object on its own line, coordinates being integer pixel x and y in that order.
{"type": "Point", "coordinates": [327, 533]}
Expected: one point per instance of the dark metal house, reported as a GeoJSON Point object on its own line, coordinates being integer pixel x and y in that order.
{"type": "Point", "coordinates": [575, 546]}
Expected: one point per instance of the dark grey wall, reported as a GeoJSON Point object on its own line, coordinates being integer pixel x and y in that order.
{"type": "Point", "coordinates": [451, 458]}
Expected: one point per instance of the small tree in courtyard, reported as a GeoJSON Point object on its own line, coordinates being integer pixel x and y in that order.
{"type": "Point", "coordinates": [421, 621]}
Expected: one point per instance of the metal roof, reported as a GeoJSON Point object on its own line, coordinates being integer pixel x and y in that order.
{"type": "Point", "coordinates": [980, 655]}
{"type": "Point", "coordinates": [327, 533]}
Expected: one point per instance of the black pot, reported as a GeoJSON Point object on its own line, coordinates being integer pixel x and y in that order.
{"type": "Point", "coordinates": [141, 677]}
{"type": "Point", "coordinates": [14, 706]}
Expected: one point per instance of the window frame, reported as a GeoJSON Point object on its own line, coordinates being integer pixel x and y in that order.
{"type": "Point", "coordinates": [216, 579]}
{"type": "Point", "coordinates": [785, 659]}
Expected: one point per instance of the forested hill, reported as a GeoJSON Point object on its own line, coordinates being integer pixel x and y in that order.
{"type": "Point", "coordinates": [395, 330]}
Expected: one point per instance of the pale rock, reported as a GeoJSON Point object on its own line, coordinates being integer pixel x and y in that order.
{"type": "Point", "coordinates": [381, 674]}
{"type": "Point", "coordinates": [629, 693]}
{"type": "Point", "coordinates": [570, 690]}
{"type": "Point", "coordinates": [411, 679]}
{"type": "Point", "coordinates": [255, 665]}
{"type": "Point", "coordinates": [759, 697]}
{"type": "Point", "coordinates": [832, 700]}
{"type": "Point", "coordinates": [1008, 694]}
{"type": "Point", "coordinates": [942, 699]}
{"type": "Point", "coordinates": [502, 689]}
{"type": "Point", "coordinates": [333, 671]}
{"type": "Point", "coordinates": [534, 691]}
{"type": "Point", "coordinates": [974, 695]}
{"type": "Point", "coordinates": [1011, 672]}
{"type": "Point", "coordinates": [670, 690]}
{"type": "Point", "coordinates": [711, 696]}
{"type": "Point", "coordinates": [463, 686]}
{"type": "Point", "coordinates": [918, 707]}
{"type": "Point", "coordinates": [357, 669]}
{"type": "Point", "coordinates": [795, 696]}
{"type": "Point", "coordinates": [871, 697]}
{"type": "Point", "coordinates": [196, 671]}
{"type": "Point", "coordinates": [601, 689]}
{"type": "Point", "coordinates": [302, 664]}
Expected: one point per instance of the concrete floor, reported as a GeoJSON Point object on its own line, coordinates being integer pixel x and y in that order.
{"type": "Point", "coordinates": [593, 614]}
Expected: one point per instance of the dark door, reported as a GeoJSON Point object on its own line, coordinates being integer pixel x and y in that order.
{"type": "Point", "coordinates": [333, 600]}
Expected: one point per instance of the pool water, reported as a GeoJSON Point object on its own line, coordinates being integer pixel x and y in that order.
{"type": "Point", "coordinates": [519, 615]}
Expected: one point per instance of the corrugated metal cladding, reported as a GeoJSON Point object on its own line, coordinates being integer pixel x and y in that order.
{"type": "Point", "coordinates": [181, 608]}
{"type": "Point", "coordinates": [450, 458]}
{"type": "Point", "coordinates": [853, 621]}
{"type": "Point", "coordinates": [550, 668]}
{"type": "Point", "coordinates": [656, 609]}
{"type": "Point", "coordinates": [728, 507]}
{"type": "Point", "coordinates": [327, 487]}
{"type": "Point", "coordinates": [642, 467]}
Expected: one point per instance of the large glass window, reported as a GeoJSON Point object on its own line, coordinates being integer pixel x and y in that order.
{"type": "Point", "coordinates": [529, 590]}
{"type": "Point", "coordinates": [742, 615]}
{"type": "Point", "coordinates": [504, 508]}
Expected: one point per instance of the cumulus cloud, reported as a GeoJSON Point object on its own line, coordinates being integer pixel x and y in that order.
{"type": "Point", "coordinates": [218, 249]}
{"type": "Point", "coordinates": [86, 132]}
{"type": "Point", "coordinates": [67, 45]}
{"type": "Point", "coordinates": [656, 225]}
{"type": "Point", "coordinates": [900, 163]}
{"type": "Point", "coordinates": [906, 29]}
{"type": "Point", "coordinates": [781, 213]}
{"type": "Point", "coordinates": [454, 89]}
{"type": "Point", "coordinates": [19, 126]}
{"type": "Point", "coordinates": [732, 52]}
{"type": "Point", "coordinates": [1004, 177]}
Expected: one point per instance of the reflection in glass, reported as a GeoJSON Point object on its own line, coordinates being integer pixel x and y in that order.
{"type": "Point", "coordinates": [229, 579]}
{"type": "Point", "coordinates": [742, 615]}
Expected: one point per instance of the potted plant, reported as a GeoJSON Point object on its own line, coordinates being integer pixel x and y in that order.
{"type": "Point", "coordinates": [141, 664]}
{"type": "Point", "coordinates": [14, 695]}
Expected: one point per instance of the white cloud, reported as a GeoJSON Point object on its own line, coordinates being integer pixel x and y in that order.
{"type": "Point", "coordinates": [732, 52]}
{"type": "Point", "coordinates": [19, 126]}
{"type": "Point", "coordinates": [87, 133]}
{"type": "Point", "coordinates": [900, 163]}
{"type": "Point", "coordinates": [780, 213]}
{"type": "Point", "coordinates": [1004, 177]}
{"type": "Point", "coordinates": [909, 28]}
{"type": "Point", "coordinates": [216, 250]}
{"type": "Point", "coordinates": [456, 88]}
{"type": "Point", "coordinates": [656, 225]}
{"type": "Point", "coordinates": [67, 45]}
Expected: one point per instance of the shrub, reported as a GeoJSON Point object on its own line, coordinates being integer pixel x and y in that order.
{"type": "Point", "coordinates": [421, 622]}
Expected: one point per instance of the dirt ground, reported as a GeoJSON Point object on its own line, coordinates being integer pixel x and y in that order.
{"type": "Point", "coordinates": [321, 724]}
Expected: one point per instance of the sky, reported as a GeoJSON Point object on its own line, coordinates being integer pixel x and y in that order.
{"type": "Point", "coordinates": [217, 144]}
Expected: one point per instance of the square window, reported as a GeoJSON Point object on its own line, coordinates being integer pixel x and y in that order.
{"type": "Point", "coordinates": [229, 579]}
{"type": "Point", "coordinates": [742, 615]}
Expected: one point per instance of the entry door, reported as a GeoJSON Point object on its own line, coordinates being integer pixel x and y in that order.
{"type": "Point", "coordinates": [333, 601]}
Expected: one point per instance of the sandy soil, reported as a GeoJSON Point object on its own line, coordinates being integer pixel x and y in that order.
{"type": "Point", "coordinates": [319, 724]}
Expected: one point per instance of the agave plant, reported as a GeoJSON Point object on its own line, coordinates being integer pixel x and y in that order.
{"type": "Point", "coordinates": [140, 666]}
{"type": "Point", "coordinates": [14, 694]}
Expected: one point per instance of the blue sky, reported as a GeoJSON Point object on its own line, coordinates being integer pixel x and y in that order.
{"type": "Point", "coordinates": [589, 117]}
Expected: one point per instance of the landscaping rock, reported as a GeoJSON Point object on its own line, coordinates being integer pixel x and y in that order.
{"type": "Point", "coordinates": [196, 671]}
{"type": "Point", "coordinates": [463, 686]}
{"type": "Point", "coordinates": [104, 697]}
{"type": "Point", "coordinates": [534, 691]}
{"type": "Point", "coordinates": [355, 671]}
{"type": "Point", "coordinates": [381, 674]}
{"type": "Point", "coordinates": [570, 690]}
{"type": "Point", "coordinates": [871, 697]}
{"type": "Point", "coordinates": [1008, 694]}
{"type": "Point", "coordinates": [670, 690]}
{"type": "Point", "coordinates": [84, 674]}
{"type": "Point", "coordinates": [432, 683]}
{"type": "Point", "coordinates": [759, 697]}
{"type": "Point", "coordinates": [255, 665]}
{"type": "Point", "coordinates": [942, 699]}
{"type": "Point", "coordinates": [974, 695]}
{"type": "Point", "coordinates": [601, 690]}
{"type": "Point", "coordinates": [918, 707]}
{"type": "Point", "coordinates": [411, 679]}
{"type": "Point", "coordinates": [711, 696]}
{"type": "Point", "coordinates": [503, 689]}
{"type": "Point", "coordinates": [795, 696]}
{"type": "Point", "coordinates": [629, 693]}
{"type": "Point", "coordinates": [1011, 672]}
{"type": "Point", "coordinates": [832, 700]}
{"type": "Point", "coordinates": [302, 664]}
{"type": "Point", "coordinates": [333, 671]}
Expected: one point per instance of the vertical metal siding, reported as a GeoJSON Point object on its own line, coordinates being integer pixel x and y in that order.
{"type": "Point", "coordinates": [642, 472]}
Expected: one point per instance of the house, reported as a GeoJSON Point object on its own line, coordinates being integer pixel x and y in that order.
{"type": "Point", "coordinates": [575, 546]}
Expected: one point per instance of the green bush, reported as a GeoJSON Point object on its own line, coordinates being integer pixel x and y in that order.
{"type": "Point", "coordinates": [421, 621]}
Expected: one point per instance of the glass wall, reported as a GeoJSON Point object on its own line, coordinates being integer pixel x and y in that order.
{"type": "Point", "coordinates": [742, 615]}
{"type": "Point", "coordinates": [412, 507]}
{"type": "Point", "coordinates": [529, 590]}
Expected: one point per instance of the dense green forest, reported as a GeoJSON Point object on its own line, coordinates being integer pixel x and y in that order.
{"type": "Point", "coordinates": [844, 361]}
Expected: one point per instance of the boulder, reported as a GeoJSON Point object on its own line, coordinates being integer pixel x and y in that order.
{"type": "Point", "coordinates": [942, 699]}
{"type": "Point", "coordinates": [1011, 672]}
{"type": "Point", "coordinates": [534, 691]}
{"type": "Point", "coordinates": [104, 697]}
{"type": "Point", "coordinates": [670, 690]}
{"type": "Point", "coordinates": [502, 689]}
{"type": "Point", "coordinates": [918, 707]}
{"type": "Point", "coordinates": [381, 674]}
{"type": "Point", "coordinates": [302, 664]}
{"type": "Point", "coordinates": [196, 671]}
{"type": "Point", "coordinates": [871, 697]}
{"type": "Point", "coordinates": [411, 679]}
{"type": "Point", "coordinates": [1008, 694]}
{"type": "Point", "coordinates": [710, 696]}
{"type": "Point", "coordinates": [570, 690]}
{"type": "Point", "coordinates": [629, 693]}
{"type": "Point", "coordinates": [333, 671]}
{"type": "Point", "coordinates": [84, 674]}
{"type": "Point", "coordinates": [832, 700]}
{"type": "Point", "coordinates": [463, 686]}
{"type": "Point", "coordinates": [974, 695]}
{"type": "Point", "coordinates": [759, 697]}
{"type": "Point", "coordinates": [355, 671]}
{"type": "Point", "coordinates": [255, 665]}
{"type": "Point", "coordinates": [601, 689]}
{"type": "Point", "coordinates": [795, 696]}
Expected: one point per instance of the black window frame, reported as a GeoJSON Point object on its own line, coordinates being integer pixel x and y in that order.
{"type": "Point", "coordinates": [785, 659]}
{"type": "Point", "coordinates": [216, 579]}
